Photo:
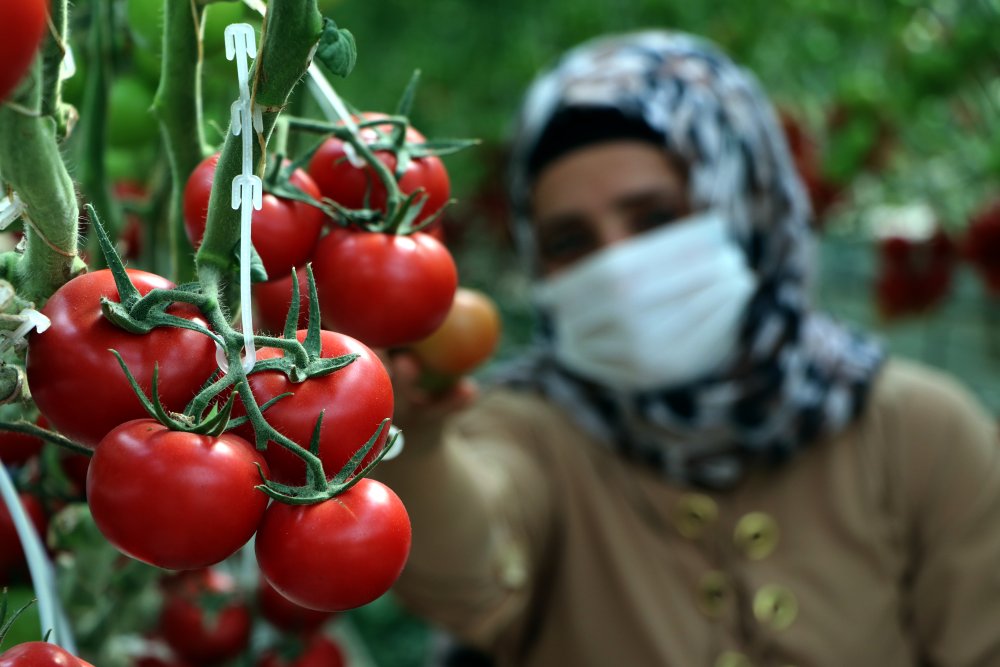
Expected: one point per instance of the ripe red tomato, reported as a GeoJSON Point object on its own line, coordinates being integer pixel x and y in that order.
{"type": "Point", "coordinates": [195, 633]}
{"type": "Point", "coordinates": [284, 231]}
{"type": "Point", "coordinates": [23, 24]}
{"type": "Point", "coordinates": [383, 289]}
{"type": "Point", "coordinates": [13, 562]}
{"type": "Point", "coordinates": [272, 300]}
{"type": "Point", "coordinates": [284, 614]}
{"type": "Point", "coordinates": [360, 187]}
{"type": "Point", "coordinates": [338, 554]}
{"type": "Point", "coordinates": [39, 654]}
{"type": "Point", "coordinates": [68, 361]}
{"type": "Point", "coordinates": [467, 337]}
{"type": "Point", "coordinates": [355, 400]}
{"type": "Point", "coordinates": [317, 651]}
{"type": "Point", "coordinates": [172, 499]}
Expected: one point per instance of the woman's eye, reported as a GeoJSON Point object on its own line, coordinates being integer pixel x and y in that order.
{"type": "Point", "coordinates": [566, 244]}
{"type": "Point", "coordinates": [647, 220]}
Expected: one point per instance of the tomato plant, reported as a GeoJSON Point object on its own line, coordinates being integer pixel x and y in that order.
{"type": "Point", "coordinates": [284, 231]}
{"type": "Point", "coordinates": [467, 337]}
{"type": "Point", "coordinates": [203, 620]}
{"type": "Point", "coordinates": [284, 614]}
{"type": "Point", "coordinates": [272, 300]}
{"type": "Point", "coordinates": [22, 26]}
{"type": "Point", "coordinates": [12, 559]}
{"type": "Point", "coordinates": [316, 651]}
{"type": "Point", "coordinates": [68, 361]}
{"type": "Point", "coordinates": [172, 499]}
{"type": "Point", "coordinates": [338, 554]}
{"type": "Point", "coordinates": [39, 654]}
{"type": "Point", "coordinates": [354, 401]}
{"type": "Point", "coordinates": [359, 187]}
{"type": "Point", "coordinates": [385, 290]}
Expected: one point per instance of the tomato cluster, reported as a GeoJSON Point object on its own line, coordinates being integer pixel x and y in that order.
{"type": "Point", "coordinates": [915, 275]}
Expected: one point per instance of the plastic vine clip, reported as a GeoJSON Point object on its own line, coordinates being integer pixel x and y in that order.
{"type": "Point", "coordinates": [248, 190]}
{"type": "Point", "coordinates": [32, 319]}
{"type": "Point", "coordinates": [11, 209]}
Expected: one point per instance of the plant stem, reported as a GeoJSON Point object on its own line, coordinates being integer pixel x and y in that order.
{"type": "Point", "coordinates": [177, 105]}
{"type": "Point", "coordinates": [33, 166]}
{"type": "Point", "coordinates": [93, 126]}
{"type": "Point", "coordinates": [291, 30]}
{"type": "Point", "coordinates": [53, 53]}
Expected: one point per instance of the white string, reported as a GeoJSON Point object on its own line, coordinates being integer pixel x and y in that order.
{"type": "Point", "coordinates": [43, 578]}
{"type": "Point", "coordinates": [248, 190]}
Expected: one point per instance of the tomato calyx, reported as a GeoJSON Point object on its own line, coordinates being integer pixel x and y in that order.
{"type": "Point", "coordinates": [7, 623]}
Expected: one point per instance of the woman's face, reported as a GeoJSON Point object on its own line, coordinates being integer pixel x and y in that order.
{"type": "Point", "coordinates": [600, 194]}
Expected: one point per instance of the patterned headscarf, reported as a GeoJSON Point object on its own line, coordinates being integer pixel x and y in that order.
{"type": "Point", "coordinates": [798, 375]}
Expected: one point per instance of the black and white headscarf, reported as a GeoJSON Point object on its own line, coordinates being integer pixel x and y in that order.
{"type": "Point", "coordinates": [799, 376]}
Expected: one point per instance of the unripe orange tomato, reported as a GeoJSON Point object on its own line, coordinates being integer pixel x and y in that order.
{"type": "Point", "coordinates": [467, 338]}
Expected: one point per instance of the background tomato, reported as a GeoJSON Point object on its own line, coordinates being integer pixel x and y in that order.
{"type": "Point", "coordinates": [172, 499]}
{"type": "Point", "coordinates": [13, 562]}
{"type": "Point", "coordinates": [22, 26]}
{"type": "Point", "coordinates": [354, 401]}
{"type": "Point", "coordinates": [18, 448]}
{"type": "Point", "coordinates": [360, 187]}
{"type": "Point", "coordinates": [316, 651]}
{"type": "Point", "coordinates": [77, 383]}
{"type": "Point", "coordinates": [272, 300]}
{"type": "Point", "coordinates": [284, 231]}
{"type": "Point", "coordinates": [467, 337]}
{"type": "Point", "coordinates": [284, 614]}
{"type": "Point", "coordinates": [130, 120]}
{"type": "Point", "coordinates": [203, 620]}
{"type": "Point", "coordinates": [383, 289]}
{"type": "Point", "coordinates": [339, 554]}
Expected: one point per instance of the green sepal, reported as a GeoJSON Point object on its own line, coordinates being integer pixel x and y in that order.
{"type": "Point", "coordinates": [352, 465]}
{"type": "Point", "coordinates": [441, 147]}
{"type": "Point", "coordinates": [118, 315]}
{"type": "Point", "coordinates": [313, 342]}
{"type": "Point", "coordinates": [321, 367]}
{"type": "Point", "coordinates": [311, 481]}
{"type": "Point", "coordinates": [337, 49]}
{"type": "Point", "coordinates": [292, 319]}
{"type": "Point", "coordinates": [215, 425]}
{"type": "Point", "coordinates": [127, 292]}
{"type": "Point", "coordinates": [405, 104]}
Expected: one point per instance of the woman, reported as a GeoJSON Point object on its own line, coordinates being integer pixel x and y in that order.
{"type": "Point", "coordinates": [694, 468]}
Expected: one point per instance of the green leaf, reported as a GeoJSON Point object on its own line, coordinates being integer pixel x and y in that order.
{"type": "Point", "coordinates": [258, 274]}
{"type": "Point", "coordinates": [406, 101]}
{"type": "Point", "coordinates": [337, 49]}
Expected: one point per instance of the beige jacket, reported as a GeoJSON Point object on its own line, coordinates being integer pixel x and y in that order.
{"type": "Point", "coordinates": [877, 548]}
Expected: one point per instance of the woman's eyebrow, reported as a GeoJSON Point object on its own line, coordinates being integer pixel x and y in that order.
{"type": "Point", "coordinates": [652, 197]}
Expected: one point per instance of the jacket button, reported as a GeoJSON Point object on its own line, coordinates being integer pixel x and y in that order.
{"type": "Point", "coordinates": [756, 535]}
{"type": "Point", "coordinates": [694, 512]}
{"type": "Point", "coordinates": [775, 606]}
{"type": "Point", "coordinates": [733, 659]}
{"type": "Point", "coordinates": [714, 594]}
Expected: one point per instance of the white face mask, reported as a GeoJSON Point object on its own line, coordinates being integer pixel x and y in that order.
{"type": "Point", "coordinates": [656, 310]}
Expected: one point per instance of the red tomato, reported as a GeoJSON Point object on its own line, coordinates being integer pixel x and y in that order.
{"type": "Point", "coordinates": [284, 614]}
{"type": "Point", "coordinates": [67, 362]}
{"type": "Point", "coordinates": [467, 337]}
{"type": "Point", "coordinates": [355, 399]}
{"type": "Point", "coordinates": [175, 500]}
{"type": "Point", "coordinates": [383, 289]}
{"type": "Point", "coordinates": [284, 231]}
{"type": "Point", "coordinates": [12, 559]}
{"type": "Point", "coordinates": [360, 187]}
{"type": "Point", "coordinates": [23, 24]}
{"type": "Point", "coordinates": [205, 637]}
{"type": "Point", "coordinates": [316, 651]}
{"type": "Point", "coordinates": [338, 554]}
{"type": "Point", "coordinates": [272, 300]}
{"type": "Point", "coordinates": [39, 654]}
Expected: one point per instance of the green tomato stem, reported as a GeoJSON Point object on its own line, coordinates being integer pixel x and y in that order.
{"type": "Point", "coordinates": [32, 165]}
{"type": "Point", "coordinates": [178, 107]}
{"type": "Point", "coordinates": [53, 54]}
{"type": "Point", "coordinates": [290, 31]}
